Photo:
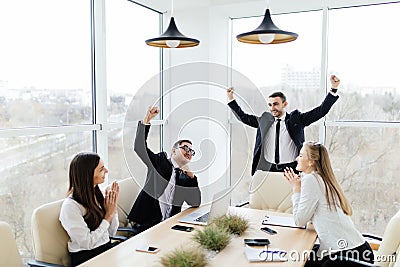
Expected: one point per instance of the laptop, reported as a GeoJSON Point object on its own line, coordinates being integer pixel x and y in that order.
{"type": "Point", "coordinates": [219, 207]}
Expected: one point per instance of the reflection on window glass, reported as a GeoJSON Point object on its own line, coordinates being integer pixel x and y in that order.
{"type": "Point", "coordinates": [366, 57]}
{"type": "Point", "coordinates": [34, 171]}
{"type": "Point", "coordinates": [45, 68]}
{"type": "Point", "coordinates": [130, 62]}
{"type": "Point", "coordinates": [365, 162]}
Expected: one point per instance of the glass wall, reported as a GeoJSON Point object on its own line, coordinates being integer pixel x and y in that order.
{"type": "Point", "coordinates": [364, 158]}
{"type": "Point", "coordinates": [293, 68]}
{"type": "Point", "coordinates": [34, 171]}
{"type": "Point", "coordinates": [362, 129]}
{"type": "Point", "coordinates": [47, 113]}
{"type": "Point", "coordinates": [45, 68]}
{"type": "Point", "coordinates": [367, 63]}
{"type": "Point", "coordinates": [130, 64]}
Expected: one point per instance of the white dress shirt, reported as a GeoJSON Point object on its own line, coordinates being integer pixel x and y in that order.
{"type": "Point", "coordinates": [287, 148]}
{"type": "Point", "coordinates": [166, 198]}
{"type": "Point", "coordinates": [81, 238]}
{"type": "Point", "coordinates": [335, 229]}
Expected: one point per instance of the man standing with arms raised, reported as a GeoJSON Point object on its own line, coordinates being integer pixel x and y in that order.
{"type": "Point", "coordinates": [280, 135]}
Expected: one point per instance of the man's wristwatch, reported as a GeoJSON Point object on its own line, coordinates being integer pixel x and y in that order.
{"type": "Point", "coordinates": [334, 90]}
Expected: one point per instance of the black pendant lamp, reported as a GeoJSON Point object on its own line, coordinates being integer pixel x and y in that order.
{"type": "Point", "coordinates": [172, 37]}
{"type": "Point", "coordinates": [267, 33]}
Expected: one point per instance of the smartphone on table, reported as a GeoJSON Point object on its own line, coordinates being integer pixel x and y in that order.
{"type": "Point", "coordinates": [148, 249]}
{"type": "Point", "coordinates": [257, 241]}
{"type": "Point", "coordinates": [182, 228]}
{"type": "Point", "coordinates": [268, 230]}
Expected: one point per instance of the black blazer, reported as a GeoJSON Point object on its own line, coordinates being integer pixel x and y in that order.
{"type": "Point", "coordinates": [146, 209]}
{"type": "Point", "coordinates": [295, 122]}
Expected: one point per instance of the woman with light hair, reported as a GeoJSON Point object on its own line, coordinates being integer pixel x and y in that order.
{"type": "Point", "coordinates": [318, 198]}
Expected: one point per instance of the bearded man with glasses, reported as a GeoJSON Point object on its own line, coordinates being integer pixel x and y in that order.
{"type": "Point", "coordinates": [169, 181]}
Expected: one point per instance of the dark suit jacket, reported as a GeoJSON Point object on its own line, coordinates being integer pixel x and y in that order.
{"type": "Point", "coordinates": [146, 209]}
{"type": "Point", "coordinates": [295, 122]}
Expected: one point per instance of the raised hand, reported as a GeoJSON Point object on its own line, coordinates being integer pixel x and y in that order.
{"type": "Point", "coordinates": [230, 92]}
{"type": "Point", "coordinates": [335, 81]}
{"type": "Point", "coordinates": [151, 113]}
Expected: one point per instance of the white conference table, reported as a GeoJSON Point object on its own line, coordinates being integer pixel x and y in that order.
{"type": "Point", "coordinates": [293, 240]}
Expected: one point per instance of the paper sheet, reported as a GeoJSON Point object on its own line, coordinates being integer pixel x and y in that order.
{"type": "Point", "coordinates": [280, 221]}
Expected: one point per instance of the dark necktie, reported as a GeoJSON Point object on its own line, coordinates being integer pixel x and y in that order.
{"type": "Point", "coordinates": [278, 129]}
{"type": "Point", "coordinates": [169, 196]}
{"type": "Point", "coordinates": [177, 173]}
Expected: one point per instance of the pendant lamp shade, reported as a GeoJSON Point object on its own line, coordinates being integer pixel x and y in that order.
{"type": "Point", "coordinates": [267, 33]}
{"type": "Point", "coordinates": [172, 38]}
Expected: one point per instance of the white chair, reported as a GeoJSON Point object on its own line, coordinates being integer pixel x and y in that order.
{"type": "Point", "coordinates": [270, 191]}
{"type": "Point", "coordinates": [128, 192]}
{"type": "Point", "coordinates": [50, 240]}
{"type": "Point", "coordinates": [390, 245]}
{"type": "Point", "coordinates": [9, 255]}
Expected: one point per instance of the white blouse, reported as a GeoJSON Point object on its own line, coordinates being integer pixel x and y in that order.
{"type": "Point", "coordinates": [335, 229]}
{"type": "Point", "coordinates": [81, 238]}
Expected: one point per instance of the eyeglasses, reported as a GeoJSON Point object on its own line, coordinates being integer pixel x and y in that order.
{"type": "Point", "coordinates": [188, 149]}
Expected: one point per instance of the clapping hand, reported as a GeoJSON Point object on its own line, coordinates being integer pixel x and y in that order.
{"type": "Point", "coordinates": [110, 201]}
{"type": "Point", "coordinates": [293, 179]}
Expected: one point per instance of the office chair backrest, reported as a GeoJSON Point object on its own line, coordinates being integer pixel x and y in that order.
{"type": "Point", "coordinates": [50, 240]}
{"type": "Point", "coordinates": [270, 191]}
{"type": "Point", "coordinates": [128, 192]}
{"type": "Point", "coordinates": [390, 243]}
{"type": "Point", "coordinates": [9, 255]}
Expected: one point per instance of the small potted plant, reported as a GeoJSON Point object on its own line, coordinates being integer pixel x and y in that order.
{"type": "Point", "coordinates": [234, 224]}
{"type": "Point", "coordinates": [184, 257]}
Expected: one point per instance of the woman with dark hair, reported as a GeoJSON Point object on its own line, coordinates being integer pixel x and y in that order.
{"type": "Point", "coordinates": [319, 198]}
{"type": "Point", "coordinates": [86, 214]}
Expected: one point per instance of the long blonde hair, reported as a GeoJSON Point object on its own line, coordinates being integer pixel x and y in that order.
{"type": "Point", "coordinates": [334, 194]}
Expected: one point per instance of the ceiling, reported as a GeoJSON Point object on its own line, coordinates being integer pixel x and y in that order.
{"type": "Point", "coordinates": [164, 5]}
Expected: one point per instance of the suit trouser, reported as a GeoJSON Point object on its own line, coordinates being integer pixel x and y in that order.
{"type": "Point", "coordinates": [272, 167]}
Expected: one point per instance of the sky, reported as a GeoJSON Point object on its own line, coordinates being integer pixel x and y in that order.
{"type": "Point", "coordinates": [362, 50]}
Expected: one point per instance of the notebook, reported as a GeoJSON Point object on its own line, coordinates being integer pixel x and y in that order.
{"type": "Point", "coordinates": [219, 207]}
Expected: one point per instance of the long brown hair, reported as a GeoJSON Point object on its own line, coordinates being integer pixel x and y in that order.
{"type": "Point", "coordinates": [81, 186]}
{"type": "Point", "coordinates": [334, 194]}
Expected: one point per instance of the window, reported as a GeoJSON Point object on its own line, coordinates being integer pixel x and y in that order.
{"type": "Point", "coordinates": [46, 96]}
{"type": "Point", "coordinates": [363, 130]}
{"type": "Point", "coordinates": [130, 62]}
{"type": "Point", "coordinates": [34, 171]}
{"type": "Point", "coordinates": [130, 65]}
{"type": "Point", "coordinates": [366, 63]}
{"type": "Point", "coordinates": [45, 68]}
